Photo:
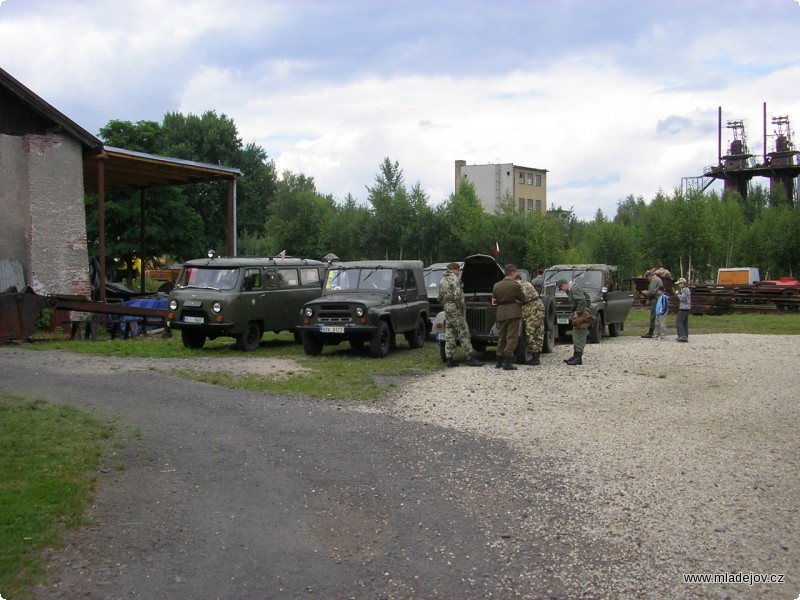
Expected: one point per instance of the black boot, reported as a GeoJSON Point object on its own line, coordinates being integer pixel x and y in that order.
{"type": "Point", "coordinates": [649, 334]}
{"type": "Point", "coordinates": [499, 363]}
{"type": "Point", "coordinates": [533, 361]}
{"type": "Point", "coordinates": [566, 360]}
{"type": "Point", "coordinates": [474, 362]}
{"type": "Point", "coordinates": [451, 362]}
{"type": "Point", "coordinates": [576, 360]}
{"type": "Point", "coordinates": [508, 364]}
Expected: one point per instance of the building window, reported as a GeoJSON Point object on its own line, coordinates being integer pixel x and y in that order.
{"type": "Point", "coordinates": [530, 178]}
{"type": "Point", "coordinates": [530, 205]}
{"type": "Point", "coordinates": [539, 180]}
{"type": "Point", "coordinates": [538, 206]}
{"type": "Point", "coordinates": [521, 177]}
{"type": "Point", "coordinates": [522, 204]}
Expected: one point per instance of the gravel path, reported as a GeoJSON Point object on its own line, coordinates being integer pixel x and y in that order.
{"type": "Point", "coordinates": [608, 480]}
{"type": "Point", "coordinates": [683, 457]}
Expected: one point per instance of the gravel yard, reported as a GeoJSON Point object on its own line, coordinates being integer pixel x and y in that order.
{"type": "Point", "coordinates": [683, 458]}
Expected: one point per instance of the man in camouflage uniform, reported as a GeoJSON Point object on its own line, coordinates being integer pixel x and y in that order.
{"type": "Point", "coordinates": [533, 317]}
{"type": "Point", "coordinates": [451, 297]}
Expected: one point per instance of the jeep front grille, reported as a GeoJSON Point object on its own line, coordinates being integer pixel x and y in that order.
{"type": "Point", "coordinates": [476, 320]}
{"type": "Point", "coordinates": [335, 313]}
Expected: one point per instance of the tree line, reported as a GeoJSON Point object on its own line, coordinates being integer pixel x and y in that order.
{"type": "Point", "coordinates": [691, 234]}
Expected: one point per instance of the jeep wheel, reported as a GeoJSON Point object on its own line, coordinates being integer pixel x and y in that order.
{"type": "Point", "coordinates": [550, 328]}
{"type": "Point", "coordinates": [250, 338]}
{"type": "Point", "coordinates": [380, 341]}
{"type": "Point", "coordinates": [312, 343]}
{"type": "Point", "coordinates": [613, 329]}
{"type": "Point", "coordinates": [192, 339]}
{"type": "Point", "coordinates": [416, 338]}
{"type": "Point", "coordinates": [596, 332]}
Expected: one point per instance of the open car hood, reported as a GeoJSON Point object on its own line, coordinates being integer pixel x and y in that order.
{"type": "Point", "coordinates": [479, 274]}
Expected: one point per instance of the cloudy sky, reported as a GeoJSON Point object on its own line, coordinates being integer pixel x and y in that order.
{"type": "Point", "coordinates": [612, 97]}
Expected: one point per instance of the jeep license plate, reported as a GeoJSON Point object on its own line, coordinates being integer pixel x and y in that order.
{"type": "Point", "coordinates": [439, 336]}
{"type": "Point", "coordinates": [198, 320]}
{"type": "Point", "coordinates": [562, 321]}
{"type": "Point", "coordinates": [331, 329]}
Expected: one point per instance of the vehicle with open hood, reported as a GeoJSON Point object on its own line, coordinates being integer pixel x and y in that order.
{"type": "Point", "coordinates": [478, 276]}
{"type": "Point", "coordinates": [368, 302]}
{"type": "Point", "coordinates": [610, 304]}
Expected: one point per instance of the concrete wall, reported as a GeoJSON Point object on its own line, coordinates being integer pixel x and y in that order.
{"type": "Point", "coordinates": [41, 202]}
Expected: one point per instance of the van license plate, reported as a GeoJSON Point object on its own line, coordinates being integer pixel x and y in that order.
{"type": "Point", "coordinates": [198, 320]}
{"type": "Point", "coordinates": [562, 321]}
{"type": "Point", "coordinates": [331, 329]}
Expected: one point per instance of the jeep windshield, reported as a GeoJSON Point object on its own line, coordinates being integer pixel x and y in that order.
{"type": "Point", "coordinates": [364, 279]}
{"type": "Point", "coordinates": [213, 279]}
{"type": "Point", "coordinates": [582, 278]}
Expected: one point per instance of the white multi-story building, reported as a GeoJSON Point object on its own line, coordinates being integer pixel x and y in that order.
{"type": "Point", "coordinates": [526, 185]}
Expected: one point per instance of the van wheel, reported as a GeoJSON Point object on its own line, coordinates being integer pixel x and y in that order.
{"type": "Point", "coordinates": [192, 339]}
{"type": "Point", "coordinates": [416, 338]}
{"type": "Point", "coordinates": [250, 338]}
{"type": "Point", "coordinates": [312, 343]}
{"type": "Point", "coordinates": [380, 341]}
{"type": "Point", "coordinates": [613, 329]}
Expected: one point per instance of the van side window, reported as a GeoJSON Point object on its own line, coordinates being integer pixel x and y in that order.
{"type": "Point", "coordinates": [252, 280]}
{"type": "Point", "coordinates": [309, 276]}
{"type": "Point", "coordinates": [270, 278]}
{"type": "Point", "coordinates": [288, 277]}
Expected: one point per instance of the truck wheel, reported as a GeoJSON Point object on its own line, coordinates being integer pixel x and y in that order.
{"type": "Point", "coordinates": [381, 340]}
{"type": "Point", "coordinates": [550, 328]}
{"type": "Point", "coordinates": [416, 338]}
{"type": "Point", "coordinates": [596, 332]}
{"type": "Point", "coordinates": [613, 330]}
{"type": "Point", "coordinates": [192, 339]}
{"type": "Point", "coordinates": [312, 343]}
{"type": "Point", "coordinates": [250, 338]}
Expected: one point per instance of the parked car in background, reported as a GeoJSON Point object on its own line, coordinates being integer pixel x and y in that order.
{"type": "Point", "coordinates": [610, 305]}
{"type": "Point", "coordinates": [241, 297]}
{"type": "Point", "coordinates": [478, 276]}
{"type": "Point", "coordinates": [368, 302]}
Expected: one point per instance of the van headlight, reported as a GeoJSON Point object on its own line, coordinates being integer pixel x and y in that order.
{"type": "Point", "coordinates": [216, 307]}
{"type": "Point", "coordinates": [173, 305]}
{"type": "Point", "coordinates": [359, 311]}
{"type": "Point", "coordinates": [308, 311]}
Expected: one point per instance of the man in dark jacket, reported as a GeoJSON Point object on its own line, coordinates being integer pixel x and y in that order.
{"type": "Point", "coordinates": [508, 296]}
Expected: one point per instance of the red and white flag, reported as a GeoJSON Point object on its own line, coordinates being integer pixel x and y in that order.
{"type": "Point", "coordinates": [496, 249]}
{"type": "Point", "coordinates": [282, 254]}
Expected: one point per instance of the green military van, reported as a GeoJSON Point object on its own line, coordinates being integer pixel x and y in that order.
{"type": "Point", "coordinates": [241, 297]}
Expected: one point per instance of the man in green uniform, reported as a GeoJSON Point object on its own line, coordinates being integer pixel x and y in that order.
{"type": "Point", "coordinates": [533, 317]}
{"type": "Point", "coordinates": [508, 296]}
{"type": "Point", "coordinates": [451, 297]}
{"type": "Point", "coordinates": [581, 319]}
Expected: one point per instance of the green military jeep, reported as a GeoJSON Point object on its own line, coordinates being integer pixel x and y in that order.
{"type": "Point", "coordinates": [609, 303]}
{"type": "Point", "coordinates": [368, 302]}
{"type": "Point", "coordinates": [241, 298]}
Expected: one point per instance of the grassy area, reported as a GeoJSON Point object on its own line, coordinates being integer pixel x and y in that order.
{"type": "Point", "coordinates": [48, 457]}
{"type": "Point", "coordinates": [344, 373]}
{"type": "Point", "coordinates": [759, 323]}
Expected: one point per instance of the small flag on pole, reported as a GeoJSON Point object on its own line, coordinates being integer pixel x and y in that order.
{"type": "Point", "coordinates": [496, 249]}
{"type": "Point", "coordinates": [282, 254]}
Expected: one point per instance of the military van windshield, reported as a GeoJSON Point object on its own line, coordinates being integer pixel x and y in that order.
{"type": "Point", "coordinates": [583, 279]}
{"type": "Point", "coordinates": [343, 280]}
{"type": "Point", "coordinates": [212, 279]}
